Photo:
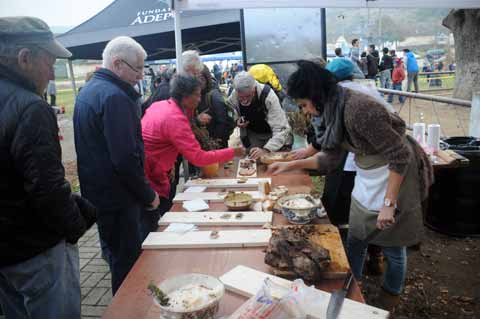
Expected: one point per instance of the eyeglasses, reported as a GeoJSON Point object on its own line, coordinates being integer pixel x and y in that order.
{"type": "Point", "coordinates": [131, 67]}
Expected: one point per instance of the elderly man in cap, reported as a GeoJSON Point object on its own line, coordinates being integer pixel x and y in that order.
{"type": "Point", "coordinates": [263, 123]}
{"type": "Point", "coordinates": [40, 219]}
{"type": "Point", "coordinates": [110, 155]}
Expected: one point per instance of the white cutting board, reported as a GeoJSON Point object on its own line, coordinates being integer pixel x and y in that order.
{"type": "Point", "coordinates": [215, 218]}
{"type": "Point", "coordinates": [226, 182]}
{"type": "Point", "coordinates": [247, 281]}
{"type": "Point", "coordinates": [211, 196]}
{"type": "Point", "coordinates": [202, 239]}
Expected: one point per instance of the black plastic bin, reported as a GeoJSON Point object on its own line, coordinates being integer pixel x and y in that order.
{"type": "Point", "coordinates": [454, 202]}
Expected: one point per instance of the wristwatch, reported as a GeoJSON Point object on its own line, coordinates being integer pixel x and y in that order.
{"type": "Point", "coordinates": [389, 203]}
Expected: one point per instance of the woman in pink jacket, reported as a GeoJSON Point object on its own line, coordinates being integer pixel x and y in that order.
{"type": "Point", "coordinates": [166, 133]}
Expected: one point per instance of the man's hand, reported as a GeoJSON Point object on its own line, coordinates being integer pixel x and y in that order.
{"type": "Point", "coordinates": [277, 168]}
{"type": "Point", "coordinates": [155, 203]}
{"type": "Point", "coordinates": [386, 217]}
{"type": "Point", "coordinates": [242, 123]}
{"type": "Point", "coordinates": [257, 152]}
{"type": "Point", "coordinates": [204, 118]}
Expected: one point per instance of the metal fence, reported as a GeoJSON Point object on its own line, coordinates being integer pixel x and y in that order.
{"type": "Point", "coordinates": [435, 81]}
{"type": "Point", "coordinates": [453, 115]}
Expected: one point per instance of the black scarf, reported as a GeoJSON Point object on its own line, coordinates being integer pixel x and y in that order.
{"type": "Point", "coordinates": [329, 126]}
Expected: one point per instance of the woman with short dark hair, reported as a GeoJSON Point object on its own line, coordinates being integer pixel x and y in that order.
{"type": "Point", "coordinates": [167, 133]}
{"type": "Point", "coordinates": [393, 171]}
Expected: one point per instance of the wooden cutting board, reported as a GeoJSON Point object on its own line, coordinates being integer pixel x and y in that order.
{"type": "Point", "coordinates": [328, 237]}
{"type": "Point", "coordinates": [202, 239]}
{"type": "Point", "coordinates": [247, 281]}
{"type": "Point", "coordinates": [254, 165]}
{"type": "Point", "coordinates": [217, 218]}
{"type": "Point", "coordinates": [211, 196]}
{"type": "Point", "coordinates": [226, 182]}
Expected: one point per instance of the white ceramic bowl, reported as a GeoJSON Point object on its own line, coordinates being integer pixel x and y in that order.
{"type": "Point", "coordinates": [296, 215]}
{"type": "Point", "coordinates": [204, 311]}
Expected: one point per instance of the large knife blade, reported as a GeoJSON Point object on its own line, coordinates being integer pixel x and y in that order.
{"type": "Point", "coordinates": [336, 300]}
{"type": "Point", "coordinates": [338, 296]}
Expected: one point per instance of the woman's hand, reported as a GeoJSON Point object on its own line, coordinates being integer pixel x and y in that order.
{"type": "Point", "coordinates": [171, 175]}
{"type": "Point", "coordinates": [300, 154]}
{"type": "Point", "coordinates": [278, 167]}
{"type": "Point", "coordinates": [240, 151]}
{"type": "Point", "coordinates": [386, 217]}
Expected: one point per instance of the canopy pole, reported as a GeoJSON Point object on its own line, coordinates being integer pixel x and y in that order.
{"type": "Point", "coordinates": [74, 86]}
{"type": "Point", "coordinates": [323, 32]}
{"type": "Point", "coordinates": [178, 38]}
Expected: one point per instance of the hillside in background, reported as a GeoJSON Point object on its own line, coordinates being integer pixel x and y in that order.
{"type": "Point", "coordinates": [382, 25]}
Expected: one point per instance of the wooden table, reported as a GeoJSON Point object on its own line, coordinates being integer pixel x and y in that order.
{"type": "Point", "coordinates": [133, 300]}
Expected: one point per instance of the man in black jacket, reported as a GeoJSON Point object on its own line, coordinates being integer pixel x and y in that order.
{"type": "Point", "coordinates": [110, 154]}
{"type": "Point", "coordinates": [40, 219]}
{"type": "Point", "coordinates": [373, 58]}
{"type": "Point", "coordinates": [385, 68]}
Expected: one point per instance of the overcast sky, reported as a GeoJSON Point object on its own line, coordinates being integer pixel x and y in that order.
{"type": "Point", "coordinates": [54, 12]}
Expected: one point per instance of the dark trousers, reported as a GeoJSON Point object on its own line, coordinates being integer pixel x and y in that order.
{"type": "Point", "coordinates": [53, 100]}
{"type": "Point", "coordinates": [337, 196]}
{"type": "Point", "coordinates": [150, 218]}
{"type": "Point", "coordinates": [121, 234]}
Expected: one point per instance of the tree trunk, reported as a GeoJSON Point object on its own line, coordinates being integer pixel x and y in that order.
{"type": "Point", "coordinates": [465, 26]}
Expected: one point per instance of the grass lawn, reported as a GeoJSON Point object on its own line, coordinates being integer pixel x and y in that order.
{"type": "Point", "coordinates": [66, 99]}
{"type": "Point", "coordinates": [447, 82]}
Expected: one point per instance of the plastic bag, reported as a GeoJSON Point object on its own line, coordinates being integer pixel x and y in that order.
{"type": "Point", "coordinates": [273, 301]}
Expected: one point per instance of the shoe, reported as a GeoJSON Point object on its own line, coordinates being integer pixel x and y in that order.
{"type": "Point", "coordinates": [387, 301]}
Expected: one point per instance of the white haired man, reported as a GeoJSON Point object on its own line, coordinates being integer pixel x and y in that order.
{"type": "Point", "coordinates": [40, 219]}
{"type": "Point", "coordinates": [110, 154]}
{"type": "Point", "coordinates": [263, 124]}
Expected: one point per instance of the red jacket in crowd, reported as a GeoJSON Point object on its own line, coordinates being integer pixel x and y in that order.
{"type": "Point", "coordinates": [398, 74]}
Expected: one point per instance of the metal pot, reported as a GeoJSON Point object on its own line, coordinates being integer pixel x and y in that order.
{"type": "Point", "coordinates": [238, 201]}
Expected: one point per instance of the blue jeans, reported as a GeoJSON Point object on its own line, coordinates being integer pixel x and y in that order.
{"type": "Point", "coordinates": [396, 257]}
{"type": "Point", "coordinates": [397, 87]}
{"type": "Point", "coordinates": [121, 234]}
{"type": "Point", "coordinates": [386, 79]}
{"type": "Point", "coordinates": [46, 286]}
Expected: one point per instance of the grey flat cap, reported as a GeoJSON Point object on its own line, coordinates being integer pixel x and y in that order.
{"type": "Point", "coordinates": [30, 30]}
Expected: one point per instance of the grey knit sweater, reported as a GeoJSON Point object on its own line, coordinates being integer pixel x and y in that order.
{"type": "Point", "coordinates": [373, 130]}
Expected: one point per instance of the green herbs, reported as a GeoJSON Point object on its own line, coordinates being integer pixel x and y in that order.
{"type": "Point", "coordinates": [159, 295]}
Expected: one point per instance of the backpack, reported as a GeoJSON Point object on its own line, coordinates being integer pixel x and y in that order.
{"type": "Point", "coordinates": [230, 110]}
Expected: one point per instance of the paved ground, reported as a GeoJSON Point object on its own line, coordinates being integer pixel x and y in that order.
{"type": "Point", "coordinates": [94, 276]}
